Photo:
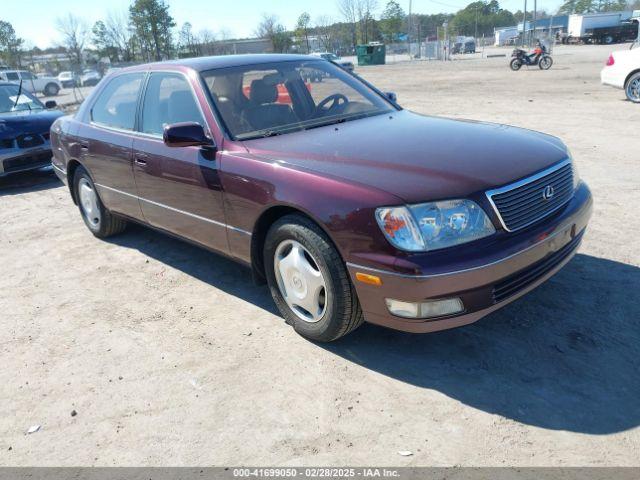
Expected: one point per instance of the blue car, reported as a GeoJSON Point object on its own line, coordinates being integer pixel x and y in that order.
{"type": "Point", "coordinates": [24, 130]}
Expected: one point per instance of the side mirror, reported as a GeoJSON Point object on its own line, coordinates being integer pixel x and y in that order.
{"type": "Point", "coordinates": [391, 96]}
{"type": "Point", "coordinates": [49, 104]}
{"type": "Point", "coordinates": [186, 134]}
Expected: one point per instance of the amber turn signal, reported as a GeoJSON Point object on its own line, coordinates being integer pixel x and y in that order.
{"type": "Point", "coordinates": [368, 279]}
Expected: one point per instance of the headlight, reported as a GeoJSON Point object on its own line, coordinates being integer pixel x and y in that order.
{"type": "Point", "coordinates": [434, 225]}
{"type": "Point", "coordinates": [574, 171]}
{"type": "Point", "coordinates": [400, 228]}
{"type": "Point", "coordinates": [576, 175]}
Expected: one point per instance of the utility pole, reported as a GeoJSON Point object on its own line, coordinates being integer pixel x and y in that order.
{"type": "Point", "coordinates": [535, 16]}
{"type": "Point", "coordinates": [476, 32]}
{"type": "Point", "coordinates": [524, 22]}
{"type": "Point", "coordinates": [409, 31]}
{"type": "Point", "coordinates": [445, 25]}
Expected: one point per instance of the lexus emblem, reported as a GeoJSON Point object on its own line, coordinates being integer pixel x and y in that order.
{"type": "Point", "coordinates": [548, 192]}
{"type": "Point", "coordinates": [28, 138]}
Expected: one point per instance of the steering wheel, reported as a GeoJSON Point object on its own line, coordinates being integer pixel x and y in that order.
{"type": "Point", "coordinates": [336, 100]}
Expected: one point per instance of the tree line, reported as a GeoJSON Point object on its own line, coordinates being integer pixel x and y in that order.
{"type": "Point", "coordinates": [146, 31]}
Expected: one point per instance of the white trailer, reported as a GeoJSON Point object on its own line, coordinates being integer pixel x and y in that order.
{"type": "Point", "coordinates": [581, 24]}
{"type": "Point", "coordinates": [505, 35]}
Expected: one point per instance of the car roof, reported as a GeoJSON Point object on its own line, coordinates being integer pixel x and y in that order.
{"type": "Point", "coordinates": [201, 64]}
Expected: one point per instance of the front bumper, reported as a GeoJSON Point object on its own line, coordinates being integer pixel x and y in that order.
{"type": "Point", "coordinates": [488, 281]}
{"type": "Point", "coordinates": [16, 160]}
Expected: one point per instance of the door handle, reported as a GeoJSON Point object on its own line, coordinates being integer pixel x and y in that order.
{"type": "Point", "coordinates": [84, 147]}
{"type": "Point", "coordinates": [140, 160]}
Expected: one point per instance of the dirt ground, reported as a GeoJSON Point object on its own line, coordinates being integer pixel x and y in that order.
{"type": "Point", "coordinates": [170, 356]}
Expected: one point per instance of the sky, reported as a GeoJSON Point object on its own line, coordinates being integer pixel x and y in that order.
{"type": "Point", "coordinates": [34, 20]}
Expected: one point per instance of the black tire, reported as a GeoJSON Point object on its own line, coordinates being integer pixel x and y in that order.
{"type": "Point", "coordinates": [545, 62]}
{"type": "Point", "coordinates": [608, 39]}
{"type": "Point", "coordinates": [342, 312]}
{"type": "Point", "coordinates": [51, 90]}
{"type": "Point", "coordinates": [108, 224]}
{"type": "Point", "coordinates": [632, 88]}
{"type": "Point", "coordinates": [515, 64]}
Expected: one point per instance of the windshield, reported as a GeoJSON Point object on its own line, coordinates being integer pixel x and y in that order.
{"type": "Point", "coordinates": [9, 95]}
{"type": "Point", "coordinates": [276, 98]}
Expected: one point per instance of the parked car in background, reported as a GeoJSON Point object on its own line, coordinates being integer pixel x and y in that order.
{"type": "Point", "coordinates": [332, 57]}
{"type": "Point", "coordinates": [48, 86]}
{"type": "Point", "coordinates": [467, 46]}
{"type": "Point", "coordinates": [24, 130]}
{"type": "Point", "coordinates": [68, 79]}
{"type": "Point", "coordinates": [622, 70]}
{"type": "Point", "coordinates": [90, 78]}
{"type": "Point", "coordinates": [348, 206]}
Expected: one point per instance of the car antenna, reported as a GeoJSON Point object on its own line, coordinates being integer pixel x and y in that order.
{"type": "Point", "coordinates": [19, 93]}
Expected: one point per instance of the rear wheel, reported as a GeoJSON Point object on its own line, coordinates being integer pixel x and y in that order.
{"type": "Point", "coordinates": [51, 90]}
{"type": "Point", "coordinates": [515, 64]}
{"type": "Point", "coordinates": [309, 281]}
{"type": "Point", "coordinates": [608, 39]}
{"type": "Point", "coordinates": [632, 88]}
{"type": "Point", "coordinates": [545, 63]}
{"type": "Point", "coordinates": [96, 217]}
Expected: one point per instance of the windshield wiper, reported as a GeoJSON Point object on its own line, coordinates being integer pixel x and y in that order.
{"type": "Point", "coordinates": [348, 118]}
{"type": "Point", "coordinates": [305, 126]}
{"type": "Point", "coordinates": [267, 132]}
{"type": "Point", "coordinates": [18, 97]}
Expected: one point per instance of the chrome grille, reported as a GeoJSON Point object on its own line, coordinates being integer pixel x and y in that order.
{"type": "Point", "coordinates": [532, 199]}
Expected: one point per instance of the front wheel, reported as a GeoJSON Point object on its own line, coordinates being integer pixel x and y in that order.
{"type": "Point", "coordinates": [95, 215]}
{"type": "Point", "coordinates": [545, 63]}
{"type": "Point", "coordinates": [309, 281]}
{"type": "Point", "coordinates": [515, 64]}
{"type": "Point", "coordinates": [632, 88]}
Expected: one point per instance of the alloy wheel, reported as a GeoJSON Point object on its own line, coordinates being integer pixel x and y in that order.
{"type": "Point", "coordinates": [633, 89]}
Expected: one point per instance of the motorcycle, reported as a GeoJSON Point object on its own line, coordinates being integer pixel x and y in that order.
{"type": "Point", "coordinates": [541, 58]}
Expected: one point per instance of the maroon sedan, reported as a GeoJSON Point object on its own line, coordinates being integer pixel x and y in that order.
{"type": "Point", "coordinates": [348, 206]}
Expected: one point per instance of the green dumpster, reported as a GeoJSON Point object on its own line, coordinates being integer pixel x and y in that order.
{"type": "Point", "coordinates": [372, 54]}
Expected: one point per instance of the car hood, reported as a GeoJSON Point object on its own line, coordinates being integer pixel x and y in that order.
{"type": "Point", "coordinates": [29, 121]}
{"type": "Point", "coordinates": [416, 157]}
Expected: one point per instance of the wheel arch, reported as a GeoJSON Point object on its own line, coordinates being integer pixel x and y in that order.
{"type": "Point", "coordinates": [72, 167]}
{"type": "Point", "coordinates": [261, 227]}
{"type": "Point", "coordinates": [631, 74]}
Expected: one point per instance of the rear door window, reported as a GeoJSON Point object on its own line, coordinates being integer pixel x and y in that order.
{"type": "Point", "coordinates": [168, 99]}
{"type": "Point", "coordinates": [117, 103]}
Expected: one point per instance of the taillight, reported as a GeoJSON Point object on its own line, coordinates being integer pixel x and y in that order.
{"type": "Point", "coordinates": [610, 60]}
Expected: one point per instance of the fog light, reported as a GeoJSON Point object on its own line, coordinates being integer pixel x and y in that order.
{"type": "Point", "coordinates": [427, 309]}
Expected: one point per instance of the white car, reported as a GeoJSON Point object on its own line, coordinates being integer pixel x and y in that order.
{"type": "Point", "coordinates": [49, 86]}
{"type": "Point", "coordinates": [68, 79]}
{"type": "Point", "coordinates": [90, 78]}
{"type": "Point", "coordinates": [622, 70]}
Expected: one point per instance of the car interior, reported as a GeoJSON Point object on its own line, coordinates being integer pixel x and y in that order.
{"type": "Point", "coordinates": [253, 100]}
